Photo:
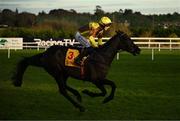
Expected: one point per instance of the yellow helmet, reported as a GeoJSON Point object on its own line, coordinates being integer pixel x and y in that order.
{"type": "Point", "coordinates": [105, 21]}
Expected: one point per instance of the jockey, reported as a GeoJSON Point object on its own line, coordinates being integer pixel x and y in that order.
{"type": "Point", "coordinates": [86, 36]}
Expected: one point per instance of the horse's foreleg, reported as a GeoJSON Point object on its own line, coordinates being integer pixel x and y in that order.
{"type": "Point", "coordinates": [113, 86]}
{"type": "Point", "coordinates": [75, 92]}
{"type": "Point", "coordinates": [93, 94]}
{"type": "Point", "coordinates": [63, 91]}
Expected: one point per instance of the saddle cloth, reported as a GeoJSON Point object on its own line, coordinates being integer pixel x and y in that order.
{"type": "Point", "coordinates": [71, 54]}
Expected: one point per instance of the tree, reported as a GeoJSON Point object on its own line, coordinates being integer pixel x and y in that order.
{"type": "Point", "coordinates": [128, 12]}
{"type": "Point", "coordinates": [8, 17]}
{"type": "Point", "coordinates": [73, 11]}
{"type": "Point", "coordinates": [26, 19]}
{"type": "Point", "coordinates": [120, 11]}
{"type": "Point", "coordinates": [43, 13]}
{"type": "Point", "coordinates": [98, 12]}
{"type": "Point", "coordinates": [16, 11]}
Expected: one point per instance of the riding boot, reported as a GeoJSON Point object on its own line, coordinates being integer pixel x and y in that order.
{"type": "Point", "coordinates": [85, 52]}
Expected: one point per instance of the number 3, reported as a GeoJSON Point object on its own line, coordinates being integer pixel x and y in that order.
{"type": "Point", "coordinates": [70, 55]}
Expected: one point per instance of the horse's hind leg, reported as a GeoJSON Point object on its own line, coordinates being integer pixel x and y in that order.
{"type": "Point", "coordinates": [113, 86]}
{"type": "Point", "coordinates": [93, 94]}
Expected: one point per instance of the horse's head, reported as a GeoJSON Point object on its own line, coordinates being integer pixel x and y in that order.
{"type": "Point", "coordinates": [127, 44]}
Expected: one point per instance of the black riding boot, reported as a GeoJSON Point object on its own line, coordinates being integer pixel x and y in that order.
{"type": "Point", "coordinates": [85, 52]}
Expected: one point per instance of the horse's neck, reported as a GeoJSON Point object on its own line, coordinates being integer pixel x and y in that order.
{"type": "Point", "coordinates": [110, 49]}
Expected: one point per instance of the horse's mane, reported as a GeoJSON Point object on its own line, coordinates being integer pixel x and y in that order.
{"type": "Point", "coordinates": [106, 44]}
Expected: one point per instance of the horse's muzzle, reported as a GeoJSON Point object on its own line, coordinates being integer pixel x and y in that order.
{"type": "Point", "coordinates": [136, 51]}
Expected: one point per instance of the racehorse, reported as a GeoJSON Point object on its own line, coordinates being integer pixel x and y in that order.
{"type": "Point", "coordinates": [95, 67]}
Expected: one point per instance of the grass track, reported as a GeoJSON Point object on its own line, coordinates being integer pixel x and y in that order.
{"type": "Point", "coordinates": [145, 90]}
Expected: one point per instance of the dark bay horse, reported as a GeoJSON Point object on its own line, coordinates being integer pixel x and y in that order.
{"type": "Point", "coordinates": [96, 67]}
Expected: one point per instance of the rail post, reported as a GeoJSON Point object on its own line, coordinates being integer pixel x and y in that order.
{"type": "Point", "coordinates": [152, 57]}
{"type": "Point", "coordinates": [149, 45]}
{"type": "Point", "coordinates": [170, 45]}
{"type": "Point", "coordinates": [159, 46]}
{"type": "Point", "coordinates": [117, 56]}
{"type": "Point", "coordinates": [9, 52]}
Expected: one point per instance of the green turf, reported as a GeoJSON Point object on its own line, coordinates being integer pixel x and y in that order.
{"type": "Point", "coordinates": [145, 90]}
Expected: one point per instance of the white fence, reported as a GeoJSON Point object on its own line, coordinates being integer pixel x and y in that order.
{"type": "Point", "coordinates": [142, 42]}
{"type": "Point", "coordinates": [158, 43]}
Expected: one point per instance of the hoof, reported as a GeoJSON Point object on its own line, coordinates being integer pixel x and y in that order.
{"type": "Point", "coordinates": [106, 100]}
{"type": "Point", "coordinates": [79, 99]}
{"type": "Point", "coordinates": [82, 109]}
{"type": "Point", "coordinates": [85, 91]}
{"type": "Point", "coordinates": [17, 84]}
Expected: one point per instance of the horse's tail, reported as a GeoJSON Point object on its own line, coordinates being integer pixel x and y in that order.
{"type": "Point", "coordinates": [22, 66]}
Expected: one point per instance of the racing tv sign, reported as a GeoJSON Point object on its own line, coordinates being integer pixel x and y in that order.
{"type": "Point", "coordinates": [11, 43]}
{"type": "Point", "coordinates": [51, 42]}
